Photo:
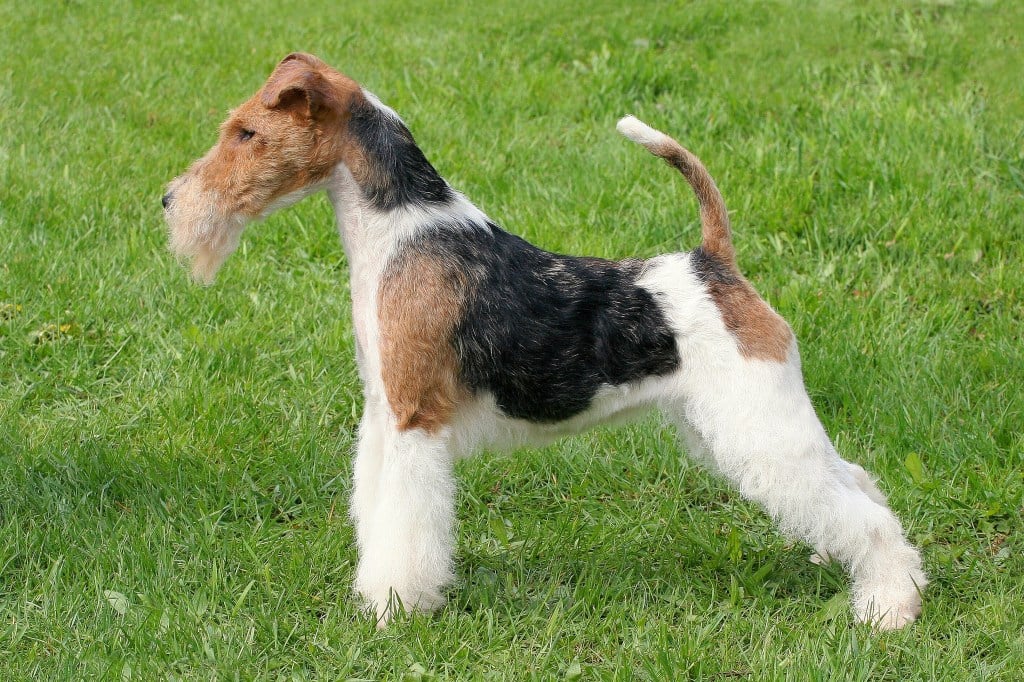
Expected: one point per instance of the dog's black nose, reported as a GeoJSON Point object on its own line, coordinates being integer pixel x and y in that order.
{"type": "Point", "coordinates": [166, 200]}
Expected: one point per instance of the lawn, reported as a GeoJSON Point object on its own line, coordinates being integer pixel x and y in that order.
{"type": "Point", "coordinates": [174, 460]}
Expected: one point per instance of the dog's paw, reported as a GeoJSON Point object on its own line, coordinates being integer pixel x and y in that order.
{"type": "Point", "coordinates": [890, 606]}
{"type": "Point", "coordinates": [386, 604]}
{"type": "Point", "coordinates": [890, 616]}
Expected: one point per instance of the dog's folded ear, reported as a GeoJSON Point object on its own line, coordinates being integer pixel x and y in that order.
{"type": "Point", "coordinates": [298, 84]}
{"type": "Point", "coordinates": [310, 59]}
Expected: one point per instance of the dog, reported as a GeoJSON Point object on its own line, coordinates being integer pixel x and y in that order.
{"type": "Point", "coordinates": [470, 338]}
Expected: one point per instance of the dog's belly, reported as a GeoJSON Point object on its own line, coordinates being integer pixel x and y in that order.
{"type": "Point", "coordinates": [483, 425]}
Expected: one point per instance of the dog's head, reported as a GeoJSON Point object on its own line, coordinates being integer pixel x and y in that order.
{"type": "Point", "coordinates": [276, 148]}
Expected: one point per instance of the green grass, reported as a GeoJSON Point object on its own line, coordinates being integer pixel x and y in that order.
{"type": "Point", "coordinates": [174, 460]}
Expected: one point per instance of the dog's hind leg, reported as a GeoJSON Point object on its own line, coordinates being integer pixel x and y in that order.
{"type": "Point", "coordinates": [867, 485]}
{"type": "Point", "coordinates": [404, 506]}
{"type": "Point", "coordinates": [700, 453]}
{"type": "Point", "coordinates": [761, 430]}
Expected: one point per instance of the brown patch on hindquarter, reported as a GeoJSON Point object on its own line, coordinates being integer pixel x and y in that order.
{"type": "Point", "coordinates": [419, 304]}
{"type": "Point", "coordinates": [760, 332]}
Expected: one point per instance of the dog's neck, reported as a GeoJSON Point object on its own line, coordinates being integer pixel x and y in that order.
{"type": "Point", "coordinates": [382, 208]}
{"type": "Point", "coordinates": [392, 194]}
{"type": "Point", "coordinates": [374, 235]}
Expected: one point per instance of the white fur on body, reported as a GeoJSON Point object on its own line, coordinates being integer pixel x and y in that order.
{"type": "Point", "coordinates": [751, 420]}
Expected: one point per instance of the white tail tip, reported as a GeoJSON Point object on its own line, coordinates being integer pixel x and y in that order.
{"type": "Point", "coordinates": [641, 133]}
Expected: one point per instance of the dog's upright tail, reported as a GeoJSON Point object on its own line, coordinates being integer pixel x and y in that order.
{"type": "Point", "coordinates": [714, 219]}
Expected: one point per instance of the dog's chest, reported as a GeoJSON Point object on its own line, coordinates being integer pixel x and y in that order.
{"type": "Point", "coordinates": [364, 283]}
{"type": "Point", "coordinates": [368, 259]}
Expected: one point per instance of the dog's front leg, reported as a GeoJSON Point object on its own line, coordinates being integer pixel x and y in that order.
{"type": "Point", "coordinates": [404, 507]}
{"type": "Point", "coordinates": [366, 473]}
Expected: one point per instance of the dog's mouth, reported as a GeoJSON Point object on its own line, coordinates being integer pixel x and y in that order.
{"type": "Point", "coordinates": [199, 233]}
{"type": "Point", "coordinates": [208, 252]}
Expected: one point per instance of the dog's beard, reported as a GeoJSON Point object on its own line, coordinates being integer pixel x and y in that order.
{"type": "Point", "coordinates": [201, 233]}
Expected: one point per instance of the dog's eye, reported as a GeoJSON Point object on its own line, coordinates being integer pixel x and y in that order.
{"type": "Point", "coordinates": [245, 135]}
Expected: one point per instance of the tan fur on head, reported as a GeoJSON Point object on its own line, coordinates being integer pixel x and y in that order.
{"type": "Point", "coordinates": [273, 150]}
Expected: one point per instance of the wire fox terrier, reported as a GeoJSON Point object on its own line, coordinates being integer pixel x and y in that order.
{"type": "Point", "coordinates": [470, 338]}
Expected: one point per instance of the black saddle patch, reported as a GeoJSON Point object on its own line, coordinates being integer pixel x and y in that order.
{"type": "Point", "coordinates": [543, 332]}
